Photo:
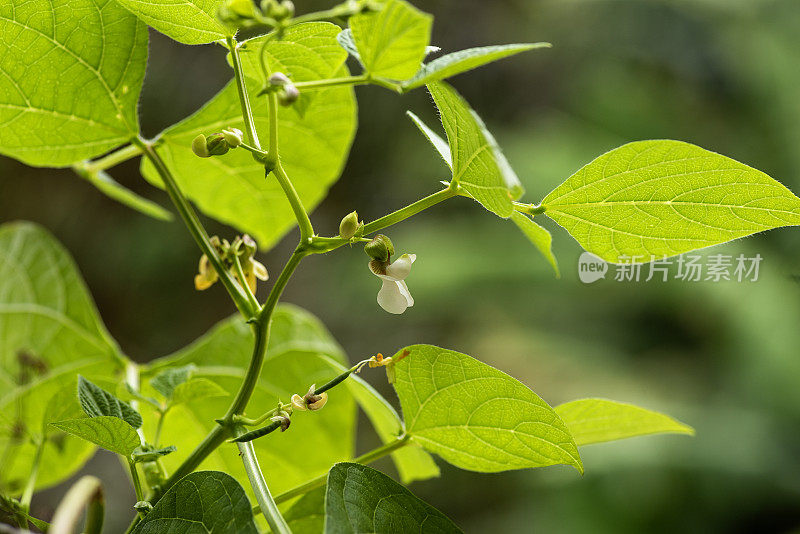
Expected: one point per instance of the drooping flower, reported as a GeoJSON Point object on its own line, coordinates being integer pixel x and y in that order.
{"type": "Point", "coordinates": [309, 401]}
{"type": "Point", "coordinates": [394, 296]}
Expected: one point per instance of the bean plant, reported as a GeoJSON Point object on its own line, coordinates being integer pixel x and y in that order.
{"type": "Point", "coordinates": [252, 426]}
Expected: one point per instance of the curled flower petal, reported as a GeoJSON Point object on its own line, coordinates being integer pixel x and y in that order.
{"type": "Point", "coordinates": [394, 297]}
{"type": "Point", "coordinates": [401, 267]}
{"type": "Point", "coordinates": [299, 403]}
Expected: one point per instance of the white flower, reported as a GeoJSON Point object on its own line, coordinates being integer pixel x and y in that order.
{"type": "Point", "coordinates": [394, 296]}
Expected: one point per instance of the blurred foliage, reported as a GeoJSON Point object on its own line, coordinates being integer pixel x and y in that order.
{"type": "Point", "coordinates": [720, 356]}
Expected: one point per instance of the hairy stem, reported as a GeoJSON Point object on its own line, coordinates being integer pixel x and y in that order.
{"type": "Point", "coordinates": [333, 82]}
{"type": "Point", "coordinates": [244, 99]}
{"type": "Point", "coordinates": [115, 158]}
{"type": "Point", "coordinates": [196, 229]}
{"type": "Point", "coordinates": [265, 501]}
{"type": "Point", "coordinates": [306, 230]}
{"type": "Point", "coordinates": [86, 493]}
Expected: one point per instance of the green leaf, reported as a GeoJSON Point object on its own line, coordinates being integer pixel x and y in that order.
{"type": "Point", "coordinates": [307, 514]}
{"type": "Point", "coordinates": [72, 73]}
{"type": "Point", "coordinates": [598, 420]}
{"type": "Point", "coordinates": [412, 462]}
{"type": "Point", "coordinates": [361, 499]}
{"type": "Point", "coordinates": [476, 417]}
{"type": "Point", "coordinates": [651, 199]}
{"type": "Point", "coordinates": [305, 52]}
{"type": "Point", "coordinates": [106, 431]}
{"type": "Point", "coordinates": [232, 188]}
{"type": "Point", "coordinates": [141, 455]}
{"type": "Point", "coordinates": [298, 355]}
{"type": "Point", "coordinates": [96, 402]}
{"type": "Point", "coordinates": [167, 380]}
{"type": "Point", "coordinates": [190, 22]}
{"type": "Point", "coordinates": [465, 60]}
{"type": "Point", "coordinates": [50, 331]}
{"type": "Point", "coordinates": [201, 502]}
{"type": "Point", "coordinates": [435, 139]}
{"type": "Point", "coordinates": [538, 236]}
{"type": "Point", "coordinates": [195, 389]}
{"type": "Point", "coordinates": [116, 191]}
{"type": "Point", "coordinates": [392, 42]}
{"type": "Point", "coordinates": [478, 165]}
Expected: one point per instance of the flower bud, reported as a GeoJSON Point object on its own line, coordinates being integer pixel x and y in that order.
{"type": "Point", "coordinates": [349, 225]}
{"type": "Point", "coordinates": [380, 248]}
{"type": "Point", "coordinates": [283, 418]}
{"type": "Point", "coordinates": [278, 79]}
{"type": "Point", "coordinates": [233, 136]}
{"type": "Point", "coordinates": [288, 94]}
{"type": "Point", "coordinates": [283, 11]}
{"type": "Point", "coordinates": [309, 401]}
{"type": "Point", "coordinates": [143, 507]}
{"type": "Point", "coordinates": [216, 144]}
{"type": "Point", "coordinates": [199, 146]}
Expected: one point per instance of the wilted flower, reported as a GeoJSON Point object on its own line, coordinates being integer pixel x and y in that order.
{"type": "Point", "coordinates": [394, 296]}
{"type": "Point", "coordinates": [309, 401]}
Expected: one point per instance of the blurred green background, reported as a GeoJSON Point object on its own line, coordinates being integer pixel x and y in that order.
{"type": "Point", "coordinates": [723, 357]}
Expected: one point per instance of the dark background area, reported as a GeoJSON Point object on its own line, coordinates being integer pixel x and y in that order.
{"type": "Point", "coordinates": [723, 357]}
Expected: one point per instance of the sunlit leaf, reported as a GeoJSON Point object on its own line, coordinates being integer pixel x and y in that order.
{"type": "Point", "coordinates": [106, 431]}
{"type": "Point", "coordinates": [392, 42]}
{"type": "Point", "coordinates": [598, 420]}
{"type": "Point", "coordinates": [435, 139]}
{"type": "Point", "coordinates": [308, 513]}
{"type": "Point", "coordinates": [538, 236]}
{"type": "Point", "coordinates": [201, 502]}
{"type": "Point", "coordinates": [49, 333]}
{"type": "Point", "coordinates": [361, 499]}
{"type": "Point", "coordinates": [476, 417]}
{"type": "Point", "coordinates": [71, 77]}
{"type": "Point", "coordinates": [651, 199]}
{"type": "Point", "coordinates": [187, 21]}
{"type": "Point", "coordinates": [477, 163]}
{"type": "Point", "coordinates": [232, 188]}
{"type": "Point", "coordinates": [97, 402]}
{"type": "Point", "coordinates": [464, 60]}
{"type": "Point", "coordinates": [195, 389]}
{"type": "Point", "coordinates": [167, 380]}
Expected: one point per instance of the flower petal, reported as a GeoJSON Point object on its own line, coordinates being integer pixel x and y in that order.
{"type": "Point", "coordinates": [401, 267]}
{"type": "Point", "coordinates": [392, 297]}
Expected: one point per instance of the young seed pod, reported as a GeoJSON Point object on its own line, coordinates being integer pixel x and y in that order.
{"type": "Point", "coordinates": [349, 225]}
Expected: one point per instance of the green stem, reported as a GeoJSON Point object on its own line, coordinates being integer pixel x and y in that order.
{"type": "Point", "coordinates": [196, 229]}
{"type": "Point", "coordinates": [244, 99]}
{"type": "Point", "coordinates": [272, 110]}
{"type": "Point", "coordinates": [367, 458]}
{"type": "Point", "coordinates": [266, 503]}
{"type": "Point", "coordinates": [342, 10]}
{"type": "Point", "coordinates": [243, 282]}
{"type": "Point", "coordinates": [306, 229]}
{"type": "Point", "coordinates": [529, 209]}
{"type": "Point", "coordinates": [137, 484]}
{"type": "Point", "coordinates": [115, 158]}
{"type": "Point", "coordinates": [157, 436]}
{"type": "Point", "coordinates": [30, 486]}
{"type": "Point", "coordinates": [333, 82]}
{"type": "Point", "coordinates": [86, 493]}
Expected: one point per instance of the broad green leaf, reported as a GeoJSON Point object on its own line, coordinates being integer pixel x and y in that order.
{"type": "Point", "coordinates": [106, 431]}
{"type": "Point", "coordinates": [345, 39]}
{"type": "Point", "coordinates": [598, 420]}
{"type": "Point", "coordinates": [435, 139]}
{"type": "Point", "coordinates": [298, 356]}
{"type": "Point", "coordinates": [651, 199]}
{"type": "Point", "coordinates": [361, 499]}
{"type": "Point", "coordinates": [232, 188]}
{"type": "Point", "coordinates": [141, 455]}
{"type": "Point", "coordinates": [308, 513]}
{"type": "Point", "coordinates": [538, 236]}
{"type": "Point", "coordinates": [167, 380]}
{"type": "Point", "coordinates": [392, 42]}
{"type": "Point", "coordinates": [305, 52]}
{"type": "Point", "coordinates": [412, 462]}
{"type": "Point", "coordinates": [196, 388]}
{"type": "Point", "coordinates": [464, 60]}
{"type": "Point", "coordinates": [116, 191]}
{"type": "Point", "coordinates": [201, 502]}
{"type": "Point", "coordinates": [49, 332]}
{"type": "Point", "coordinates": [71, 77]}
{"type": "Point", "coordinates": [190, 22]}
{"type": "Point", "coordinates": [96, 402]}
{"type": "Point", "coordinates": [478, 165]}
{"type": "Point", "coordinates": [476, 417]}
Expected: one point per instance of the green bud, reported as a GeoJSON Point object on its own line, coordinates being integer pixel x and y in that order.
{"type": "Point", "coordinates": [279, 79]}
{"type": "Point", "coordinates": [216, 144]}
{"type": "Point", "coordinates": [380, 248]}
{"type": "Point", "coordinates": [233, 136]}
{"type": "Point", "coordinates": [249, 245]}
{"type": "Point", "coordinates": [143, 507]}
{"type": "Point", "coordinates": [348, 226]}
{"type": "Point", "coordinates": [283, 11]}
{"type": "Point", "coordinates": [288, 95]}
{"type": "Point", "coordinates": [199, 146]}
